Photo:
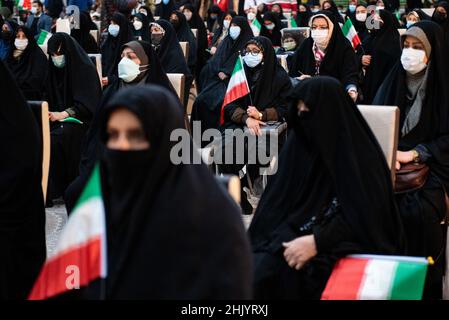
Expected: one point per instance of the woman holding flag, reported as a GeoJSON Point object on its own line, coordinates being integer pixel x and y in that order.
{"type": "Point", "coordinates": [260, 102]}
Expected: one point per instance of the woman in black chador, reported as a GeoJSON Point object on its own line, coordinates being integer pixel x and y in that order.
{"type": "Point", "coordinates": [73, 92]}
{"type": "Point", "coordinates": [332, 196]}
{"type": "Point", "coordinates": [173, 232]}
{"type": "Point", "coordinates": [22, 214]}
{"type": "Point", "coordinates": [418, 84]}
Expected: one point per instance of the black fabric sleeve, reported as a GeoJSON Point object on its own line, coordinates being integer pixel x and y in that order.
{"type": "Point", "coordinates": [349, 68]}
{"type": "Point", "coordinates": [329, 235]}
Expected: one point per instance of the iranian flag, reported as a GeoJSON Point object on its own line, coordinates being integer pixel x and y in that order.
{"type": "Point", "coordinates": [374, 277]}
{"type": "Point", "coordinates": [237, 86]}
{"type": "Point", "coordinates": [43, 38]}
{"type": "Point", "coordinates": [24, 4]}
{"type": "Point", "coordinates": [292, 22]}
{"type": "Point", "coordinates": [350, 33]}
{"type": "Point", "coordinates": [80, 255]}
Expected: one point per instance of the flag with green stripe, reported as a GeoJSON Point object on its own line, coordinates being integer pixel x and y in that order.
{"type": "Point", "coordinates": [376, 277]}
{"type": "Point", "coordinates": [351, 34]}
{"type": "Point", "coordinates": [237, 86]}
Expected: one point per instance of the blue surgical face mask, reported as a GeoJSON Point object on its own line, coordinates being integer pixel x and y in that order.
{"type": "Point", "coordinates": [251, 60]}
{"type": "Point", "coordinates": [58, 61]}
{"type": "Point", "coordinates": [410, 23]}
{"type": "Point", "coordinates": [351, 8]}
{"type": "Point", "coordinates": [114, 29]}
{"type": "Point", "coordinates": [234, 32]}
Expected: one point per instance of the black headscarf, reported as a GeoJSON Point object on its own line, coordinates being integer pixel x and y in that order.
{"type": "Point", "coordinates": [343, 161]}
{"type": "Point", "coordinates": [154, 74]}
{"type": "Point", "coordinates": [280, 15]}
{"type": "Point", "coordinates": [30, 69]}
{"type": "Point", "coordinates": [147, 209]}
{"type": "Point", "coordinates": [170, 52]}
{"type": "Point", "coordinates": [211, 22]}
{"type": "Point", "coordinates": [83, 36]}
{"type": "Point", "coordinates": [228, 50]}
{"type": "Point", "coordinates": [334, 10]}
{"type": "Point", "coordinates": [360, 26]}
{"type": "Point", "coordinates": [338, 49]}
{"type": "Point", "coordinates": [275, 34]}
{"type": "Point", "coordinates": [163, 11]}
{"type": "Point", "coordinates": [443, 22]}
{"type": "Point", "coordinates": [149, 13]}
{"type": "Point", "coordinates": [22, 214]}
{"type": "Point", "coordinates": [302, 18]}
{"type": "Point", "coordinates": [433, 127]}
{"type": "Point", "coordinates": [183, 33]}
{"type": "Point", "coordinates": [196, 22]}
{"type": "Point", "coordinates": [110, 50]}
{"type": "Point", "coordinates": [77, 82]}
{"type": "Point", "coordinates": [144, 32]}
{"type": "Point", "coordinates": [218, 32]}
{"type": "Point", "coordinates": [384, 47]}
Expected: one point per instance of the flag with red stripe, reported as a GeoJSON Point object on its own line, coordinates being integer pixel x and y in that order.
{"type": "Point", "coordinates": [351, 34]}
{"type": "Point", "coordinates": [80, 255]}
{"type": "Point", "coordinates": [238, 86]}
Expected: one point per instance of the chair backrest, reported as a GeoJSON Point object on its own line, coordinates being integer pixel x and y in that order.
{"type": "Point", "coordinates": [96, 35]}
{"type": "Point", "coordinates": [384, 122]}
{"type": "Point", "coordinates": [195, 32]}
{"type": "Point", "coordinates": [185, 49]}
{"type": "Point", "coordinates": [40, 112]}
{"type": "Point", "coordinates": [178, 82]}
{"type": "Point", "coordinates": [96, 59]}
{"type": "Point", "coordinates": [232, 184]}
{"type": "Point", "coordinates": [428, 11]}
{"type": "Point", "coordinates": [305, 31]}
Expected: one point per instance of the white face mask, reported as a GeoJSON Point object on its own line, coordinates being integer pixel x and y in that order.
{"type": "Point", "coordinates": [128, 70]}
{"type": "Point", "coordinates": [413, 60]}
{"type": "Point", "coordinates": [114, 29]}
{"type": "Point", "coordinates": [226, 24]}
{"type": "Point", "coordinates": [361, 17]}
{"type": "Point", "coordinates": [251, 60]}
{"type": "Point", "coordinates": [410, 23]}
{"type": "Point", "coordinates": [320, 36]}
{"type": "Point", "coordinates": [234, 32]}
{"type": "Point", "coordinates": [270, 26]}
{"type": "Point", "coordinates": [137, 25]}
{"type": "Point", "coordinates": [21, 44]}
{"type": "Point", "coordinates": [251, 16]}
{"type": "Point", "coordinates": [378, 8]}
{"type": "Point", "coordinates": [58, 61]}
{"type": "Point", "coordinates": [188, 15]}
{"type": "Point", "coordinates": [33, 10]}
{"type": "Point", "coordinates": [289, 46]}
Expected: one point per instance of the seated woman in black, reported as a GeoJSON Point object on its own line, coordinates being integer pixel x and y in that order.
{"type": "Point", "coordinates": [184, 34]}
{"type": "Point", "coordinates": [318, 206]}
{"type": "Point", "coordinates": [215, 75]}
{"type": "Point", "coordinates": [169, 51]}
{"type": "Point", "coordinates": [119, 33]}
{"type": "Point", "coordinates": [328, 53]}
{"type": "Point", "coordinates": [73, 90]}
{"type": "Point", "coordinates": [271, 28]}
{"type": "Point", "coordinates": [28, 64]}
{"type": "Point", "coordinates": [418, 85]}
{"type": "Point", "coordinates": [266, 102]}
